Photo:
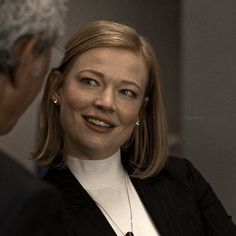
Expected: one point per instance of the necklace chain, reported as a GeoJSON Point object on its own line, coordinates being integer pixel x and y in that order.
{"type": "Point", "coordinates": [130, 210]}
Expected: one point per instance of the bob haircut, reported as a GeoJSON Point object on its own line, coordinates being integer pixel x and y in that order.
{"type": "Point", "coordinates": [146, 149]}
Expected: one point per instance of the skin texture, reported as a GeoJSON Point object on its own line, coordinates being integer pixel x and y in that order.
{"type": "Point", "coordinates": [104, 84]}
{"type": "Point", "coordinates": [17, 94]}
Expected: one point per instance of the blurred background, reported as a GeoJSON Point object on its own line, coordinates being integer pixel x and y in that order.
{"type": "Point", "coordinates": [195, 42]}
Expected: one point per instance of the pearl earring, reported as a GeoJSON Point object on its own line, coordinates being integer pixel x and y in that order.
{"type": "Point", "coordinates": [137, 122]}
{"type": "Point", "coordinates": [55, 101]}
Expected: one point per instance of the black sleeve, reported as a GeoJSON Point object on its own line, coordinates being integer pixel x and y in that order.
{"type": "Point", "coordinates": [215, 218]}
{"type": "Point", "coordinates": [38, 215]}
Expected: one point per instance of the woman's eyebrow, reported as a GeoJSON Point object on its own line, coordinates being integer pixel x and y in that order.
{"type": "Point", "coordinates": [131, 83]}
{"type": "Point", "coordinates": [92, 71]}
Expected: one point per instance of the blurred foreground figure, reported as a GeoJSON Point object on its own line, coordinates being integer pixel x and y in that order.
{"type": "Point", "coordinates": [28, 30]}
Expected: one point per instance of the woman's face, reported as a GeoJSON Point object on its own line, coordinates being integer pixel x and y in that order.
{"type": "Point", "coordinates": [100, 101]}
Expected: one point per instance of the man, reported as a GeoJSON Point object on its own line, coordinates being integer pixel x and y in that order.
{"type": "Point", "coordinates": [28, 29]}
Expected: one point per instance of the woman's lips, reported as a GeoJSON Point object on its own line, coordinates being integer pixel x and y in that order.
{"type": "Point", "coordinates": [99, 124]}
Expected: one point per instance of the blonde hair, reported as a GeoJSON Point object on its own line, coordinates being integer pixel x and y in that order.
{"type": "Point", "coordinates": [146, 149]}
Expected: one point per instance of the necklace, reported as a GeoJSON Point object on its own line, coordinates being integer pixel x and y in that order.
{"type": "Point", "coordinates": [130, 233]}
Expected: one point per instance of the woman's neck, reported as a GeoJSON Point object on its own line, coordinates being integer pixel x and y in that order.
{"type": "Point", "coordinates": [91, 154]}
{"type": "Point", "coordinates": [94, 174]}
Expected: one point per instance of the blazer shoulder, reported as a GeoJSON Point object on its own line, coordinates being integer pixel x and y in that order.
{"type": "Point", "coordinates": [187, 176]}
{"type": "Point", "coordinates": [179, 166]}
{"type": "Point", "coordinates": [215, 217]}
{"type": "Point", "coordinates": [183, 172]}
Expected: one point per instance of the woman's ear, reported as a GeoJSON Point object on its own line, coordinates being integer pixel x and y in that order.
{"type": "Point", "coordinates": [56, 86]}
{"type": "Point", "coordinates": [142, 110]}
{"type": "Point", "coordinates": [146, 101]}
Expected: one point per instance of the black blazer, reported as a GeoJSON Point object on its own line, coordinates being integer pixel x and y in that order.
{"type": "Point", "coordinates": [179, 201]}
{"type": "Point", "coordinates": [28, 207]}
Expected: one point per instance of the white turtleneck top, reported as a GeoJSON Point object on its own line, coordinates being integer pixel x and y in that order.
{"type": "Point", "coordinates": [110, 187]}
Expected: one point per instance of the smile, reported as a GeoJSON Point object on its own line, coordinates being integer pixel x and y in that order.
{"type": "Point", "coordinates": [98, 122]}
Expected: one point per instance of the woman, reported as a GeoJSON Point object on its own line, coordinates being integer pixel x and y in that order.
{"type": "Point", "coordinates": [104, 139]}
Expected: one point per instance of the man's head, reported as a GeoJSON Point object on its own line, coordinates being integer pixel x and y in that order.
{"type": "Point", "coordinates": [28, 31]}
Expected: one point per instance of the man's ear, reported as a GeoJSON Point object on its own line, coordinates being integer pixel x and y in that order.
{"type": "Point", "coordinates": [25, 55]}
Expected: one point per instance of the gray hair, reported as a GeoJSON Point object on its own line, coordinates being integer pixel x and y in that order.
{"type": "Point", "coordinates": [25, 18]}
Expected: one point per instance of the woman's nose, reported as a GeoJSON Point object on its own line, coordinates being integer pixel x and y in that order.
{"type": "Point", "coordinates": [105, 100]}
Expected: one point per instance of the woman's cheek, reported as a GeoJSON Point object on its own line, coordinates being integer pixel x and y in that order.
{"type": "Point", "coordinates": [129, 114]}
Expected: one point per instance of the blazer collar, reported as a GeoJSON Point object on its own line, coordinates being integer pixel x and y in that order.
{"type": "Point", "coordinates": [170, 204]}
{"type": "Point", "coordinates": [84, 217]}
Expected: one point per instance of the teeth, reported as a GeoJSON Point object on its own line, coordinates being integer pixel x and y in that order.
{"type": "Point", "coordinates": [98, 122]}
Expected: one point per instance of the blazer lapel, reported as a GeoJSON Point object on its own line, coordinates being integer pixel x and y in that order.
{"type": "Point", "coordinates": [171, 209]}
{"type": "Point", "coordinates": [83, 215]}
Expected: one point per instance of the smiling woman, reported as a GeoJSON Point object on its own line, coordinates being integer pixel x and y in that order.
{"type": "Point", "coordinates": [100, 101]}
{"type": "Point", "coordinates": [104, 139]}
{"type": "Point", "coordinates": [109, 74]}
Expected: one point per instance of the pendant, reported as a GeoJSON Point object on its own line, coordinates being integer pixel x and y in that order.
{"type": "Point", "coordinates": [129, 234]}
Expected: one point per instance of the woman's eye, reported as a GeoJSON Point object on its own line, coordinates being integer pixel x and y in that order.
{"type": "Point", "coordinates": [128, 93]}
{"type": "Point", "coordinates": [89, 82]}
